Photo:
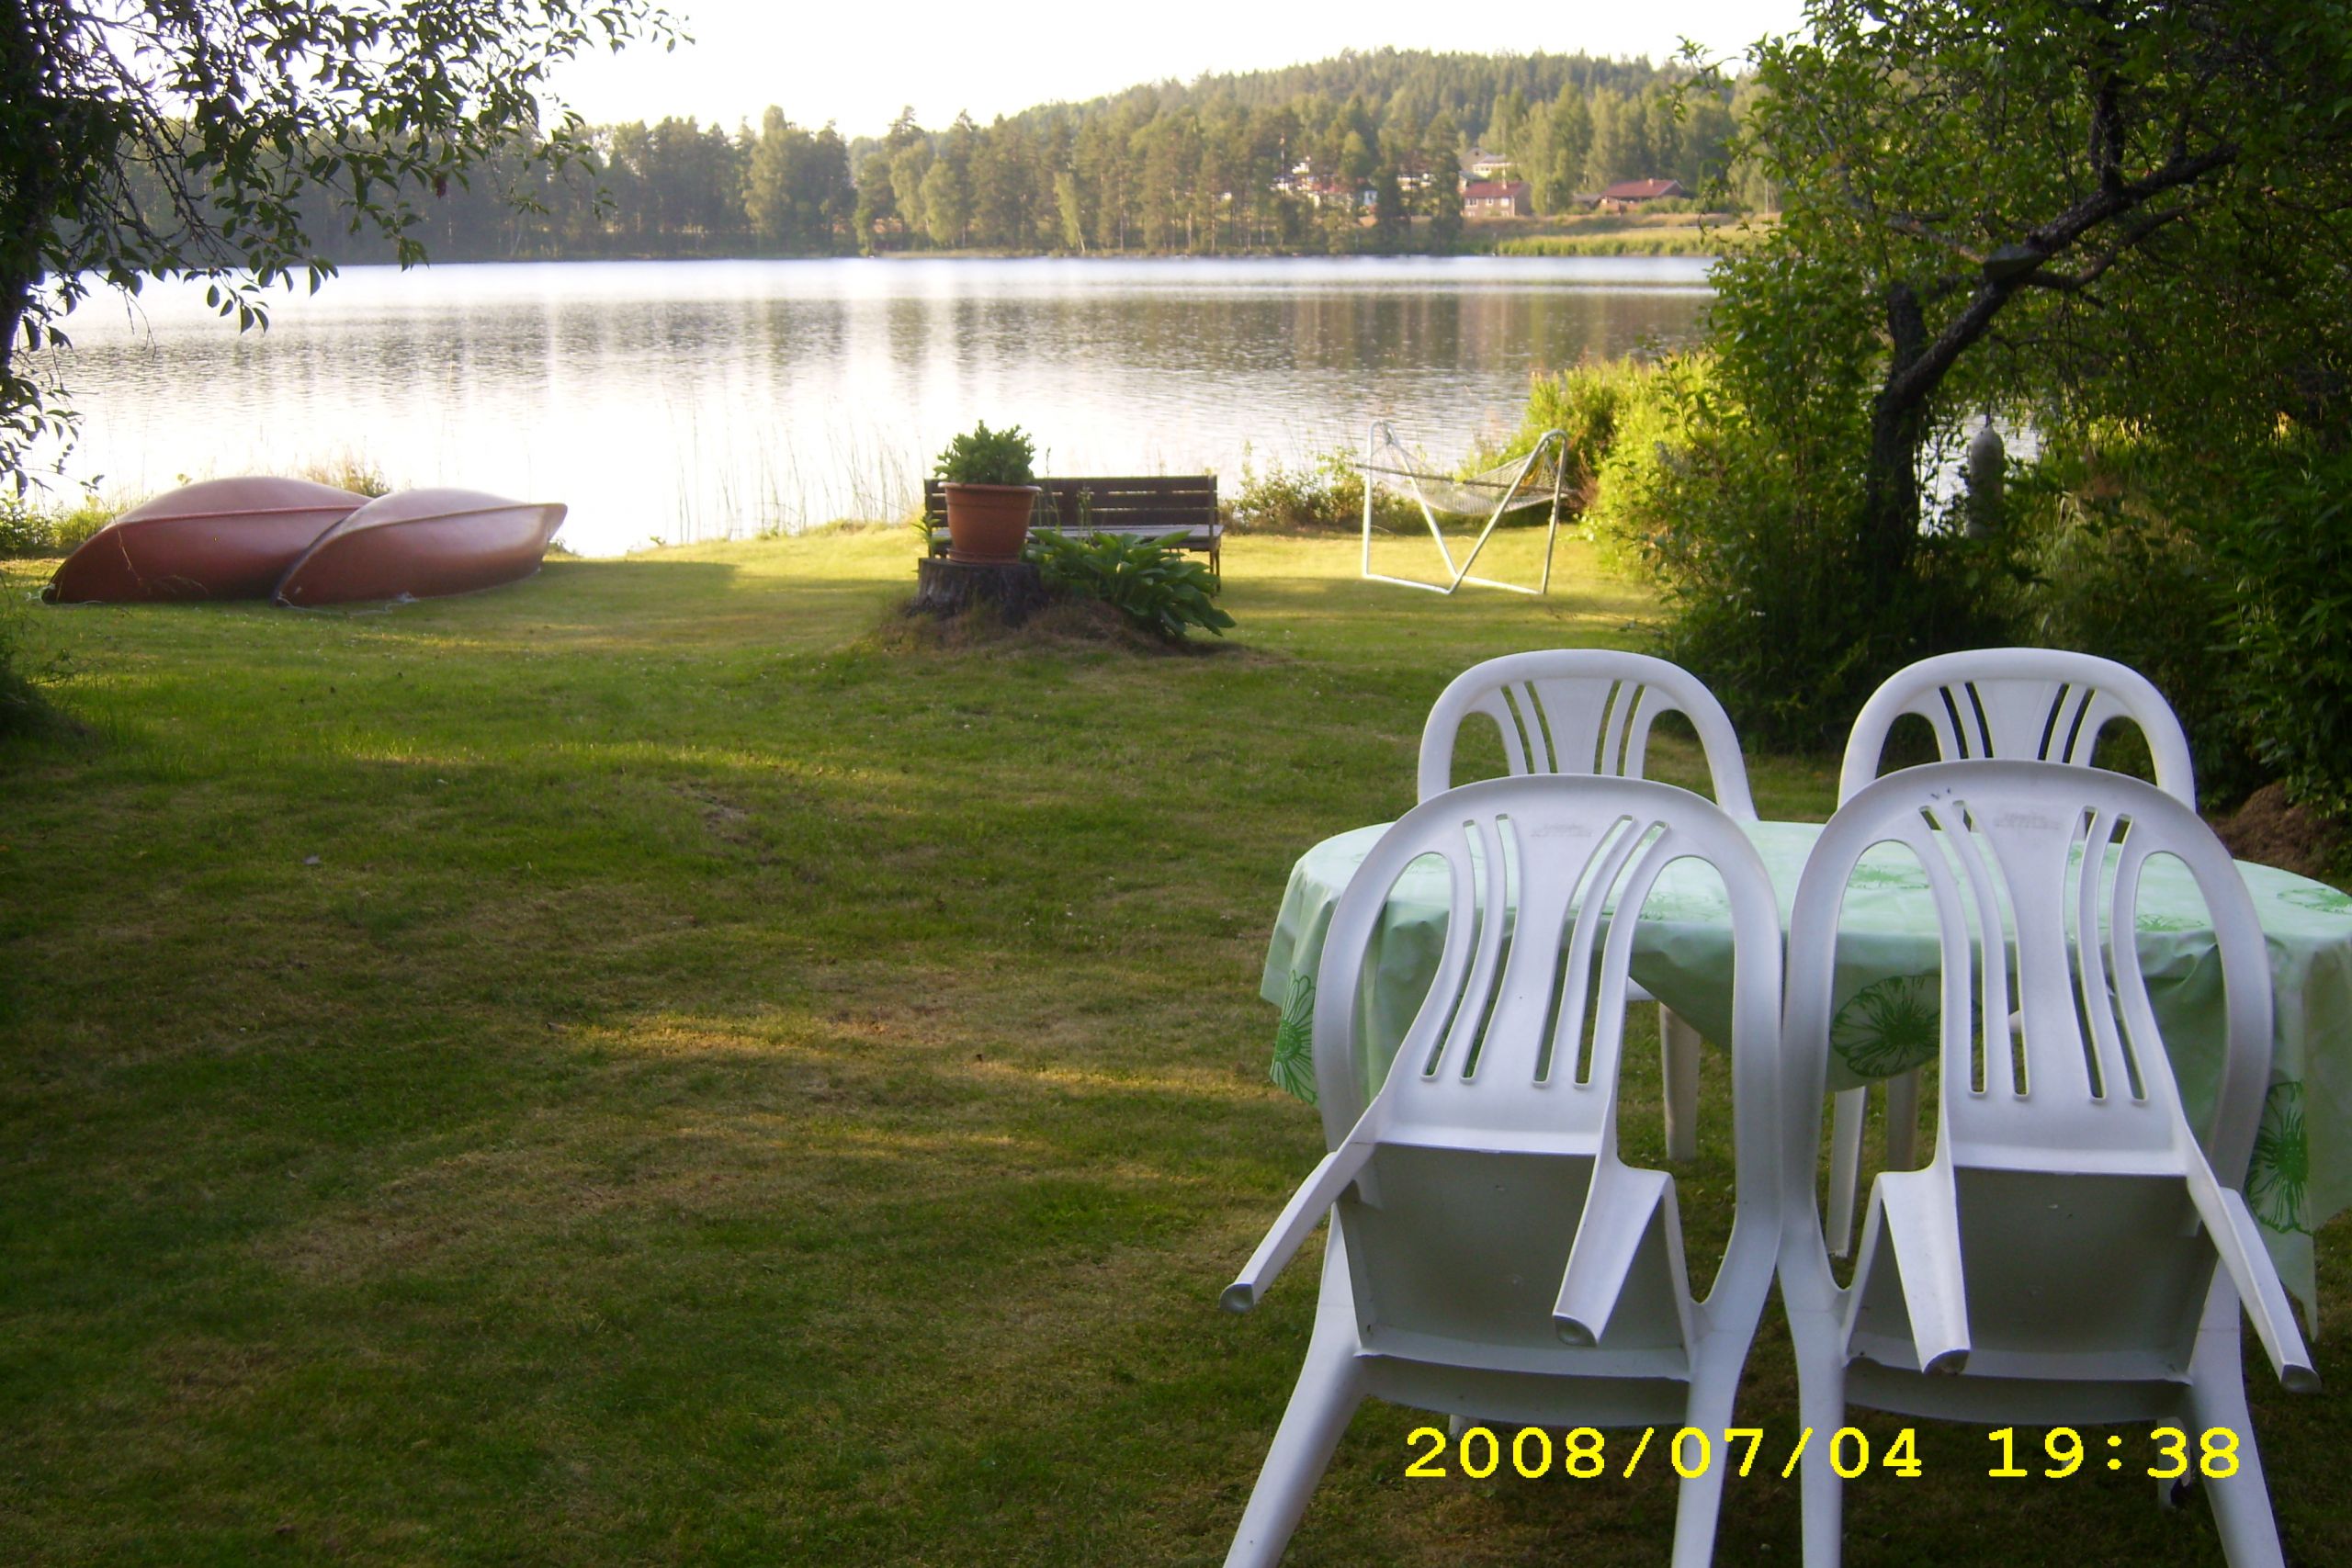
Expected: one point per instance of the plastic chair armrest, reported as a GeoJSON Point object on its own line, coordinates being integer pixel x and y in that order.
{"type": "Point", "coordinates": [2239, 1241]}
{"type": "Point", "coordinates": [1617, 1214]}
{"type": "Point", "coordinates": [1922, 1218]}
{"type": "Point", "coordinates": [1291, 1228]}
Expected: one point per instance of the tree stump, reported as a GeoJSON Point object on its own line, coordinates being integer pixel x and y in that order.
{"type": "Point", "coordinates": [945, 587]}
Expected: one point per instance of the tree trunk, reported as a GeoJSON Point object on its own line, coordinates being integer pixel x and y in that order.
{"type": "Point", "coordinates": [1898, 424]}
{"type": "Point", "coordinates": [29, 159]}
{"type": "Point", "coordinates": [945, 587]}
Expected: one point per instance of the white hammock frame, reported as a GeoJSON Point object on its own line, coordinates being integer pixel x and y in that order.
{"type": "Point", "coordinates": [1515, 496]}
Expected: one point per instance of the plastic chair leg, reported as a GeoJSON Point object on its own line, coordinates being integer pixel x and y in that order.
{"type": "Point", "coordinates": [1697, 1505]}
{"type": "Point", "coordinates": [1330, 1388]}
{"type": "Point", "coordinates": [1677, 1050]}
{"type": "Point", "coordinates": [1903, 1121]}
{"type": "Point", "coordinates": [1821, 1401]}
{"type": "Point", "coordinates": [2241, 1515]}
{"type": "Point", "coordinates": [1845, 1168]}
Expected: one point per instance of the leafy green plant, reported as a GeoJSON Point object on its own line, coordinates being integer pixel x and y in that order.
{"type": "Point", "coordinates": [1156, 588]}
{"type": "Point", "coordinates": [2288, 545]}
{"type": "Point", "coordinates": [985, 456]}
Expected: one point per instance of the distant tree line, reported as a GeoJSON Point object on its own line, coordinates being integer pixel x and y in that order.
{"type": "Point", "coordinates": [1357, 153]}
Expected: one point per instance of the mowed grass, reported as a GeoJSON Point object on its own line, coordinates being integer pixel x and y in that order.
{"type": "Point", "coordinates": [652, 1065]}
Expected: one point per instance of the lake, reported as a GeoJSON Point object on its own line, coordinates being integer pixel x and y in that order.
{"type": "Point", "coordinates": [682, 400]}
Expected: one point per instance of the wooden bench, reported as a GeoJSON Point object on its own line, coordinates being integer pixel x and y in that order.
{"type": "Point", "coordinates": [1150, 504]}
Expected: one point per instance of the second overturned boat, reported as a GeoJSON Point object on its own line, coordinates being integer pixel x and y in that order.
{"type": "Point", "coordinates": [422, 543]}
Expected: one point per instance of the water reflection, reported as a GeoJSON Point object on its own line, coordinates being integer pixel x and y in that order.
{"type": "Point", "coordinates": [678, 399]}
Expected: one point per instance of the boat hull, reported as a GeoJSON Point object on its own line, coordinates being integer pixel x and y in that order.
{"type": "Point", "coordinates": [422, 543]}
{"type": "Point", "coordinates": [220, 539]}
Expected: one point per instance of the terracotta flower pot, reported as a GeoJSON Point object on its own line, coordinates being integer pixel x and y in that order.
{"type": "Point", "coordinates": [989, 523]}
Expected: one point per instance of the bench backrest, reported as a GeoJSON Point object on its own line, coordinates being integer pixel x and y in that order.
{"type": "Point", "coordinates": [1152, 501]}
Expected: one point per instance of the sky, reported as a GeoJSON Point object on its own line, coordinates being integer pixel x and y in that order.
{"type": "Point", "coordinates": [855, 64]}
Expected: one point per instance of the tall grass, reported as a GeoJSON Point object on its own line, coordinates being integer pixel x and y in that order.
{"type": "Point", "coordinates": [1665, 243]}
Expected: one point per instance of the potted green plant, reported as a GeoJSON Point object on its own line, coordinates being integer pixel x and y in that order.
{"type": "Point", "coordinates": [986, 478]}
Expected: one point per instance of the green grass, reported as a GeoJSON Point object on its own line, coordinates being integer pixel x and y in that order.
{"type": "Point", "coordinates": [644, 1067]}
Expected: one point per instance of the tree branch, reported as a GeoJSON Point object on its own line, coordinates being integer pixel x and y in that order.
{"type": "Point", "coordinates": [2013, 268]}
{"type": "Point", "coordinates": [1905, 223]}
{"type": "Point", "coordinates": [2132, 233]}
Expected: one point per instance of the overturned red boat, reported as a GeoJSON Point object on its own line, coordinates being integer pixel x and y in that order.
{"type": "Point", "coordinates": [422, 543]}
{"type": "Point", "coordinates": [218, 539]}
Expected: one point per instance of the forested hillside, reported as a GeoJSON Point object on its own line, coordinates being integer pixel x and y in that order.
{"type": "Point", "coordinates": [1359, 153]}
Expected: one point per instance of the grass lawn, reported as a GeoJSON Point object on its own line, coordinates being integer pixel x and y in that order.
{"type": "Point", "coordinates": [643, 1067]}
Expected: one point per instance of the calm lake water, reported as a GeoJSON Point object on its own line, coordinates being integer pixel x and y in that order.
{"type": "Point", "coordinates": [680, 401]}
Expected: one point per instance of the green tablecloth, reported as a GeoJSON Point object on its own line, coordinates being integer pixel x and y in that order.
{"type": "Point", "coordinates": [1886, 993]}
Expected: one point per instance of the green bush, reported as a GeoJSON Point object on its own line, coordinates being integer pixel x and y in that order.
{"type": "Point", "coordinates": [1324, 492]}
{"type": "Point", "coordinates": [1744, 537]}
{"type": "Point", "coordinates": [28, 530]}
{"type": "Point", "coordinates": [2114, 575]}
{"type": "Point", "coordinates": [2283, 535]}
{"type": "Point", "coordinates": [1748, 533]}
{"type": "Point", "coordinates": [1157, 589]}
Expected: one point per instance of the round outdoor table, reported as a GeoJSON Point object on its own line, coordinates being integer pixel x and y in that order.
{"type": "Point", "coordinates": [1887, 993]}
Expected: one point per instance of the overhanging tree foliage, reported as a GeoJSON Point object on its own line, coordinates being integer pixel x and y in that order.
{"type": "Point", "coordinates": [2111, 220]}
{"type": "Point", "coordinates": [148, 138]}
{"type": "Point", "coordinates": [2041, 203]}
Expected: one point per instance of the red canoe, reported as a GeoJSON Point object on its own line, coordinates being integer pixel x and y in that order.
{"type": "Point", "coordinates": [422, 543]}
{"type": "Point", "coordinates": [220, 539]}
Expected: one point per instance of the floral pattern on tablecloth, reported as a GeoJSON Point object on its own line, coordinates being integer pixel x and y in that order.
{"type": "Point", "coordinates": [1294, 1064]}
{"type": "Point", "coordinates": [1890, 1026]}
{"type": "Point", "coordinates": [2326, 900]}
{"type": "Point", "coordinates": [2280, 1174]}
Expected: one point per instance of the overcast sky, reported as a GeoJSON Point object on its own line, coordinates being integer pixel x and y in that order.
{"type": "Point", "coordinates": [855, 64]}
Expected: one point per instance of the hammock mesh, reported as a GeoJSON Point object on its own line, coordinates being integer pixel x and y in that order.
{"type": "Point", "coordinates": [1475, 494]}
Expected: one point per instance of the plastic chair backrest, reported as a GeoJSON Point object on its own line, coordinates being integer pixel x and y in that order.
{"type": "Point", "coordinates": [1581, 711]}
{"type": "Point", "coordinates": [1514, 1051]}
{"type": "Point", "coordinates": [2019, 704]}
{"type": "Point", "coordinates": [2033, 858]}
{"type": "Point", "coordinates": [2005, 847]}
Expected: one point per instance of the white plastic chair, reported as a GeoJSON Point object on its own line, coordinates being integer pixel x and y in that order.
{"type": "Point", "coordinates": [1576, 710]}
{"type": "Point", "coordinates": [2042, 703]}
{"type": "Point", "coordinates": [1490, 1256]}
{"type": "Point", "coordinates": [2055, 1262]}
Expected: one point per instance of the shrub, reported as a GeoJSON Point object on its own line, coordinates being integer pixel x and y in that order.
{"type": "Point", "coordinates": [1622, 419]}
{"type": "Point", "coordinates": [1746, 536]}
{"type": "Point", "coordinates": [1153, 586]}
{"type": "Point", "coordinates": [28, 530]}
{"type": "Point", "coordinates": [2284, 538]}
{"type": "Point", "coordinates": [1324, 492]}
{"type": "Point", "coordinates": [2114, 575]}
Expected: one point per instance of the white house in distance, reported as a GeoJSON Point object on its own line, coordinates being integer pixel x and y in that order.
{"type": "Point", "coordinates": [1483, 166]}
